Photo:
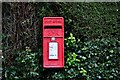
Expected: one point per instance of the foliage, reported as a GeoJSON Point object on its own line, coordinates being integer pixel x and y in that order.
{"type": "Point", "coordinates": [98, 59]}
{"type": "Point", "coordinates": [73, 67]}
{"type": "Point", "coordinates": [24, 66]}
{"type": "Point", "coordinates": [85, 20]}
{"type": "Point", "coordinates": [102, 58]}
{"type": "Point", "coordinates": [92, 53]}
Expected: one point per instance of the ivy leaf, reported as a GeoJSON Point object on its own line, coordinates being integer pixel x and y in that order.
{"type": "Point", "coordinates": [111, 51]}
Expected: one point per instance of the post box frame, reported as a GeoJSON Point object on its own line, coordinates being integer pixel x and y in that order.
{"type": "Point", "coordinates": [53, 27]}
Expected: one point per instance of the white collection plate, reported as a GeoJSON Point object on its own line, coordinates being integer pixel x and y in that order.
{"type": "Point", "coordinates": [53, 50]}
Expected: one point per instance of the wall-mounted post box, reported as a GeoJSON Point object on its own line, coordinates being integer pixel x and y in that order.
{"type": "Point", "coordinates": [53, 42]}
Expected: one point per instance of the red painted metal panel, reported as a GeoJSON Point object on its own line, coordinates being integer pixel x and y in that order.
{"type": "Point", "coordinates": [53, 27]}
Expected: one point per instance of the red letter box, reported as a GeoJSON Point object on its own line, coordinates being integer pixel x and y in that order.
{"type": "Point", "coordinates": [53, 42]}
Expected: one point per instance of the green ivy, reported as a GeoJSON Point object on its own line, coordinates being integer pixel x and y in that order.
{"type": "Point", "coordinates": [92, 42]}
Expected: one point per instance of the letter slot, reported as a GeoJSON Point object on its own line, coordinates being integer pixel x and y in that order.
{"type": "Point", "coordinates": [53, 27]}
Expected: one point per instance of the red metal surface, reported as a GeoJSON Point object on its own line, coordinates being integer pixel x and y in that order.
{"type": "Point", "coordinates": [53, 27]}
